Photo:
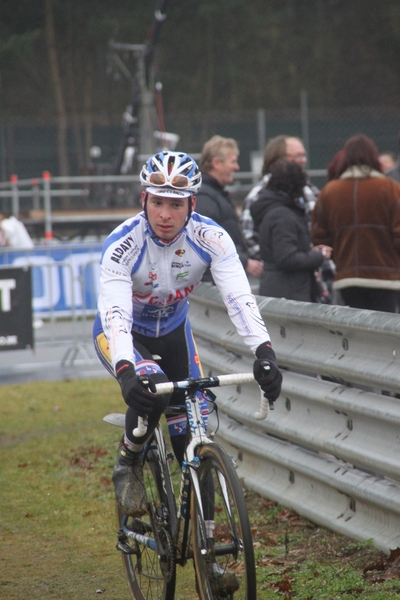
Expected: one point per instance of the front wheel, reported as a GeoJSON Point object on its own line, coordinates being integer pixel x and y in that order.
{"type": "Point", "coordinates": [222, 541]}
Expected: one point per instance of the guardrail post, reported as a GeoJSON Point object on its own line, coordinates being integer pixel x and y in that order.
{"type": "Point", "coordinates": [48, 232]}
{"type": "Point", "coordinates": [15, 195]}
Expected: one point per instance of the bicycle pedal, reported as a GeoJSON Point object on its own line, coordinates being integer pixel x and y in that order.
{"type": "Point", "coordinates": [170, 456]}
{"type": "Point", "coordinates": [125, 548]}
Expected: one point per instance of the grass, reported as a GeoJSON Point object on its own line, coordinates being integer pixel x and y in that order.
{"type": "Point", "coordinates": [57, 512]}
{"type": "Point", "coordinates": [299, 560]}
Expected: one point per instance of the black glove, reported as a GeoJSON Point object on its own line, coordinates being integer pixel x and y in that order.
{"type": "Point", "coordinates": [137, 390]}
{"type": "Point", "coordinates": [269, 380]}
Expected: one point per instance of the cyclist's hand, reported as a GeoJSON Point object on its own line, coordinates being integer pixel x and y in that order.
{"type": "Point", "coordinates": [269, 379]}
{"type": "Point", "coordinates": [137, 390]}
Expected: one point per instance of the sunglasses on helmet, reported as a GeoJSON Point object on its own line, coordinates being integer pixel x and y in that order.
{"type": "Point", "coordinates": [178, 181]}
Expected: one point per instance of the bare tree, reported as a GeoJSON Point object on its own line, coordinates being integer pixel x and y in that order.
{"type": "Point", "coordinates": [71, 87]}
{"type": "Point", "coordinates": [58, 89]}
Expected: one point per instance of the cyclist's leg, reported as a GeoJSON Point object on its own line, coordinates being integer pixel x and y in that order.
{"type": "Point", "coordinates": [150, 573]}
{"type": "Point", "coordinates": [128, 471]}
{"type": "Point", "coordinates": [145, 365]}
{"type": "Point", "coordinates": [179, 360]}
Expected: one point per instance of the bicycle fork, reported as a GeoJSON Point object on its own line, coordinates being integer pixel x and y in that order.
{"type": "Point", "coordinates": [206, 527]}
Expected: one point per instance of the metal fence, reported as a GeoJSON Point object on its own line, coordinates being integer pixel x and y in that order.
{"type": "Point", "coordinates": [330, 449]}
{"type": "Point", "coordinates": [27, 147]}
{"type": "Point", "coordinates": [42, 196]}
{"type": "Point", "coordinates": [71, 201]}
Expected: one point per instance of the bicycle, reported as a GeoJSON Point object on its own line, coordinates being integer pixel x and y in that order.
{"type": "Point", "coordinates": [209, 524]}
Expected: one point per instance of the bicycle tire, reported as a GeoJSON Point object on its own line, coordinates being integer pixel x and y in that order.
{"type": "Point", "coordinates": [149, 576]}
{"type": "Point", "coordinates": [231, 545]}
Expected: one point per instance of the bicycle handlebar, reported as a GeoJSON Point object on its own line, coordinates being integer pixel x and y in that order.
{"type": "Point", "coordinates": [200, 384]}
{"type": "Point", "coordinates": [265, 406]}
{"type": "Point", "coordinates": [205, 382]}
{"type": "Point", "coordinates": [141, 428]}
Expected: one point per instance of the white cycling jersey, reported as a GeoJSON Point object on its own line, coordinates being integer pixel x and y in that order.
{"type": "Point", "coordinates": [145, 282]}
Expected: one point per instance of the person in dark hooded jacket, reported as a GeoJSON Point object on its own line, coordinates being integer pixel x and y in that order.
{"type": "Point", "coordinates": [281, 219]}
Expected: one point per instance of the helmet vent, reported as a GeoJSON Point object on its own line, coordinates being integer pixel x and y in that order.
{"type": "Point", "coordinates": [171, 163]}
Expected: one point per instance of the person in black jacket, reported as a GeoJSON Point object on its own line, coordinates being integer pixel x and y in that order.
{"type": "Point", "coordinates": [285, 244]}
{"type": "Point", "coordinates": [219, 160]}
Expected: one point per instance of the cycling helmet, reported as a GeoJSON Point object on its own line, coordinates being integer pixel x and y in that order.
{"type": "Point", "coordinates": [171, 173]}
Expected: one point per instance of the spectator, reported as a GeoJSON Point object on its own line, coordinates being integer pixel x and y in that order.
{"type": "Point", "coordinates": [282, 146]}
{"type": "Point", "coordinates": [387, 161]}
{"type": "Point", "coordinates": [280, 219]}
{"type": "Point", "coordinates": [333, 167]}
{"type": "Point", "coordinates": [359, 216]}
{"type": "Point", "coordinates": [13, 233]}
{"type": "Point", "coordinates": [219, 160]}
{"type": "Point", "coordinates": [395, 172]}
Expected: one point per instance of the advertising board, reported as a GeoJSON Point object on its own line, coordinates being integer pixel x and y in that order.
{"type": "Point", "coordinates": [65, 277]}
{"type": "Point", "coordinates": [16, 332]}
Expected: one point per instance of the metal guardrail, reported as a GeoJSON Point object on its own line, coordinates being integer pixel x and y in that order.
{"type": "Point", "coordinates": [330, 449]}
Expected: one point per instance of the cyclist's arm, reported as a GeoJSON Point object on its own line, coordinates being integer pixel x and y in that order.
{"type": "Point", "coordinates": [231, 280]}
{"type": "Point", "coordinates": [115, 298]}
{"type": "Point", "coordinates": [115, 308]}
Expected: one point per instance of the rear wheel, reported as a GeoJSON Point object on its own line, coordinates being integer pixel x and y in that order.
{"type": "Point", "coordinates": [222, 542]}
{"type": "Point", "coordinates": [149, 561]}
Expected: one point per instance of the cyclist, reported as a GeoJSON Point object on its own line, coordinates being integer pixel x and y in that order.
{"type": "Point", "coordinates": [150, 264]}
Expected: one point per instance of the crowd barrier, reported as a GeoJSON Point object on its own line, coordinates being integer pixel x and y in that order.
{"type": "Point", "coordinates": [330, 449]}
{"type": "Point", "coordinates": [65, 277]}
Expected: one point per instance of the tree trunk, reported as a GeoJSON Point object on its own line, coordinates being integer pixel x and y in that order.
{"type": "Point", "coordinates": [87, 111]}
{"type": "Point", "coordinates": [71, 87]}
{"type": "Point", "coordinates": [58, 91]}
{"type": "Point", "coordinates": [208, 80]}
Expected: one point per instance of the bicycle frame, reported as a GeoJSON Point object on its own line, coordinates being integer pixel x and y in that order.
{"type": "Point", "coordinates": [199, 437]}
{"type": "Point", "coordinates": [189, 477]}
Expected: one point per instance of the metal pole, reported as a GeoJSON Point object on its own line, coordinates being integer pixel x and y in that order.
{"type": "Point", "coordinates": [304, 122]}
{"type": "Point", "coordinates": [48, 232]}
{"type": "Point", "coordinates": [35, 194]}
{"type": "Point", "coordinates": [261, 129]}
{"type": "Point", "coordinates": [147, 111]}
{"type": "Point", "coordinates": [15, 195]}
{"type": "Point", "coordinates": [3, 159]}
